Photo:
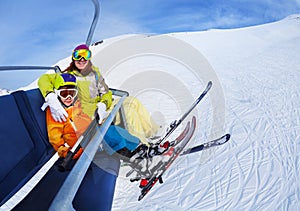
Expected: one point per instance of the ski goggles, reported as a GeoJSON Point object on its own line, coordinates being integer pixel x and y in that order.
{"type": "Point", "coordinates": [64, 93]}
{"type": "Point", "coordinates": [82, 53]}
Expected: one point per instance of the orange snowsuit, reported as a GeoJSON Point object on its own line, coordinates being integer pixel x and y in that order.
{"type": "Point", "coordinates": [64, 135]}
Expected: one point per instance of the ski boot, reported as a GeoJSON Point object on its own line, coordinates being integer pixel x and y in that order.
{"type": "Point", "coordinates": [145, 159]}
{"type": "Point", "coordinates": [158, 149]}
{"type": "Point", "coordinates": [143, 151]}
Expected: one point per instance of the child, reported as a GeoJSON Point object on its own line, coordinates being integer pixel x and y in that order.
{"type": "Point", "coordinates": [63, 135]}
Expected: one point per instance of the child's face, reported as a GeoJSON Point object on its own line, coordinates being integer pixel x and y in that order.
{"type": "Point", "coordinates": [67, 95]}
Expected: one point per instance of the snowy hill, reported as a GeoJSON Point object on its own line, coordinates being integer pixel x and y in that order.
{"type": "Point", "coordinates": [255, 97]}
{"type": "Point", "coordinates": [258, 71]}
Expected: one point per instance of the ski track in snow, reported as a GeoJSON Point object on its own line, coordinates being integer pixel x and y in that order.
{"type": "Point", "coordinates": [258, 169]}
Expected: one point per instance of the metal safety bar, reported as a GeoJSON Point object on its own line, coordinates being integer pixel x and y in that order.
{"type": "Point", "coordinates": [94, 23]}
{"type": "Point", "coordinates": [5, 68]}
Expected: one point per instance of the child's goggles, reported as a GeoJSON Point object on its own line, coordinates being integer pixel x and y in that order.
{"type": "Point", "coordinates": [82, 53]}
{"type": "Point", "coordinates": [64, 93]}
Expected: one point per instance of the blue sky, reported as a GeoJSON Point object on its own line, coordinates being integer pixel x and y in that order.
{"type": "Point", "coordinates": [35, 32]}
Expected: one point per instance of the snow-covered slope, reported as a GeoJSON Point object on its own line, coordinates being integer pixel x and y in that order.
{"type": "Point", "coordinates": [255, 96]}
{"type": "Point", "coordinates": [258, 69]}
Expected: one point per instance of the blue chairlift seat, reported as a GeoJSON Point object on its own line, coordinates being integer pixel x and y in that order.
{"type": "Point", "coordinates": [25, 149]}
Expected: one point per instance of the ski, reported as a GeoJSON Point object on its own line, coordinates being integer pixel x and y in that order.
{"type": "Point", "coordinates": [163, 166]}
{"type": "Point", "coordinates": [216, 142]}
{"type": "Point", "coordinates": [137, 157]}
{"type": "Point", "coordinates": [176, 123]}
{"type": "Point", "coordinates": [143, 151]}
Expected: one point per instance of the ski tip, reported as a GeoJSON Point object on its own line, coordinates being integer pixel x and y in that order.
{"type": "Point", "coordinates": [194, 119]}
{"type": "Point", "coordinates": [209, 84]}
{"type": "Point", "coordinates": [140, 197]}
{"type": "Point", "coordinates": [227, 136]}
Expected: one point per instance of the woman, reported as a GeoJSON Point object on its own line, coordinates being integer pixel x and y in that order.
{"type": "Point", "coordinates": [94, 93]}
{"type": "Point", "coordinates": [63, 135]}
